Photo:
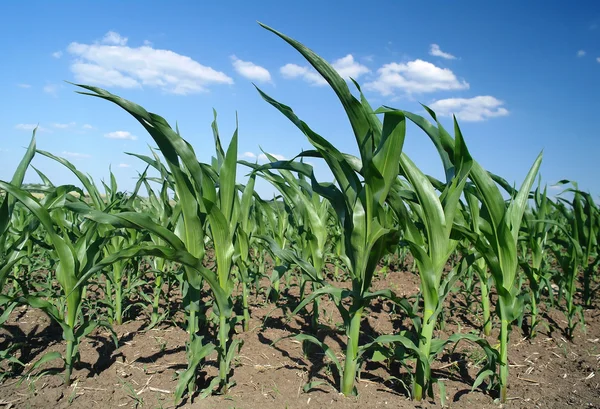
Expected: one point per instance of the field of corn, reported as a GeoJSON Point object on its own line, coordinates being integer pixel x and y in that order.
{"type": "Point", "coordinates": [382, 288]}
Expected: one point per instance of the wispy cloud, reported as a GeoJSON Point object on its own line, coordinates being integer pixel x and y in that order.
{"type": "Point", "coordinates": [598, 59]}
{"type": "Point", "coordinates": [470, 109]}
{"type": "Point", "coordinates": [580, 53]}
{"type": "Point", "coordinates": [76, 155]}
{"type": "Point", "coordinates": [57, 54]}
{"type": "Point", "coordinates": [124, 165]}
{"type": "Point", "coordinates": [114, 38]}
{"type": "Point", "coordinates": [346, 66]}
{"type": "Point", "coordinates": [248, 69]}
{"type": "Point", "coordinates": [31, 127]}
{"type": "Point", "coordinates": [120, 135]}
{"type": "Point", "coordinates": [436, 51]}
{"type": "Point", "coordinates": [24, 85]}
{"type": "Point", "coordinates": [113, 63]}
{"type": "Point", "coordinates": [51, 89]}
{"type": "Point", "coordinates": [87, 126]}
{"type": "Point", "coordinates": [416, 76]}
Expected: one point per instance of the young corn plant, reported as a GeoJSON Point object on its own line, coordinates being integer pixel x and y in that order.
{"type": "Point", "coordinates": [14, 242]}
{"type": "Point", "coordinates": [573, 247]}
{"type": "Point", "coordinates": [310, 215]}
{"type": "Point", "coordinates": [121, 282]}
{"type": "Point", "coordinates": [536, 228]}
{"type": "Point", "coordinates": [498, 237]}
{"type": "Point", "coordinates": [430, 243]}
{"type": "Point", "coordinates": [204, 210]}
{"type": "Point", "coordinates": [78, 248]}
{"type": "Point", "coordinates": [166, 213]}
{"type": "Point", "coordinates": [472, 217]}
{"type": "Point", "coordinates": [358, 197]}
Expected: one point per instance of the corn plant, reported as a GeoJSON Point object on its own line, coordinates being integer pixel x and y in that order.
{"type": "Point", "coordinates": [358, 197]}
{"type": "Point", "coordinates": [13, 247]}
{"type": "Point", "coordinates": [536, 228]}
{"type": "Point", "coordinates": [78, 249]}
{"type": "Point", "coordinates": [430, 242]}
{"type": "Point", "coordinates": [196, 191]}
{"type": "Point", "coordinates": [498, 237]}
{"type": "Point", "coordinates": [573, 246]}
{"type": "Point", "coordinates": [116, 294]}
{"type": "Point", "coordinates": [480, 266]}
{"type": "Point", "coordinates": [242, 248]}
{"type": "Point", "coordinates": [310, 215]}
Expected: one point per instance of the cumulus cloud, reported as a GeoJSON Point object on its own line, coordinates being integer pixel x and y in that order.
{"type": "Point", "coordinates": [346, 66]}
{"type": "Point", "coordinates": [470, 109]}
{"type": "Point", "coordinates": [57, 54]}
{"type": "Point", "coordinates": [124, 165]}
{"type": "Point", "coordinates": [416, 76]}
{"type": "Point", "coordinates": [250, 70]}
{"type": "Point", "coordinates": [87, 126]}
{"type": "Point", "coordinates": [31, 127]}
{"type": "Point", "coordinates": [120, 135]}
{"type": "Point", "coordinates": [112, 63]}
{"type": "Point", "coordinates": [76, 155]}
{"type": "Point", "coordinates": [436, 51]}
{"type": "Point", "coordinates": [581, 53]}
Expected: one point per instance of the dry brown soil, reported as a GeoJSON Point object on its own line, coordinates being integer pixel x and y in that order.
{"type": "Point", "coordinates": [545, 372]}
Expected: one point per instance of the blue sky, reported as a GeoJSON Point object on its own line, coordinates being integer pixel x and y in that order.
{"type": "Point", "coordinates": [522, 76]}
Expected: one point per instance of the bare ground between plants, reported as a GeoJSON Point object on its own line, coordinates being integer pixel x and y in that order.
{"type": "Point", "coordinates": [546, 372]}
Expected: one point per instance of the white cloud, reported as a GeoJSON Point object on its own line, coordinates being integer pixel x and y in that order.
{"type": "Point", "coordinates": [51, 89]}
{"type": "Point", "coordinates": [250, 70]}
{"type": "Point", "coordinates": [31, 127]}
{"type": "Point", "coordinates": [124, 165]}
{"type": "Point", "coordinates": [96, 74]}
{"type": "Point", "coordinates": [598, 59]}
{"type": "Point", "coordinates": [470, 109]}
{"type": "Point", "coordinates": [247, 155]}
{"type": "Point", "coordinates": [64, 126]}
{"type": "Point", "coordinates": [57, 54]}
{"type": "Point", "coordinates": [260, 157]}
{"type": "Point", "coordinates": [114, 38]}
{"type": "Point", "coordinates": [307, 74]}
{"type": "Point", "coordinates": [114, 64]}
{"type": "Point", "coordinates": [346, 66]}
{"type": "Point", "coordinates": [24, 85]}
{"type": "Point", "coordinates": [436, 51]}
{"type": "Point", "coordinates": [76, 155]}
{"type": "Point", "coordinates": [87, 126]}
{"type": "Point", "coordinates": [580, 53]}
{"type": "Point", "coordinates": [120, 135]}
{"type": "Point", "coordinates": [416, 76]}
